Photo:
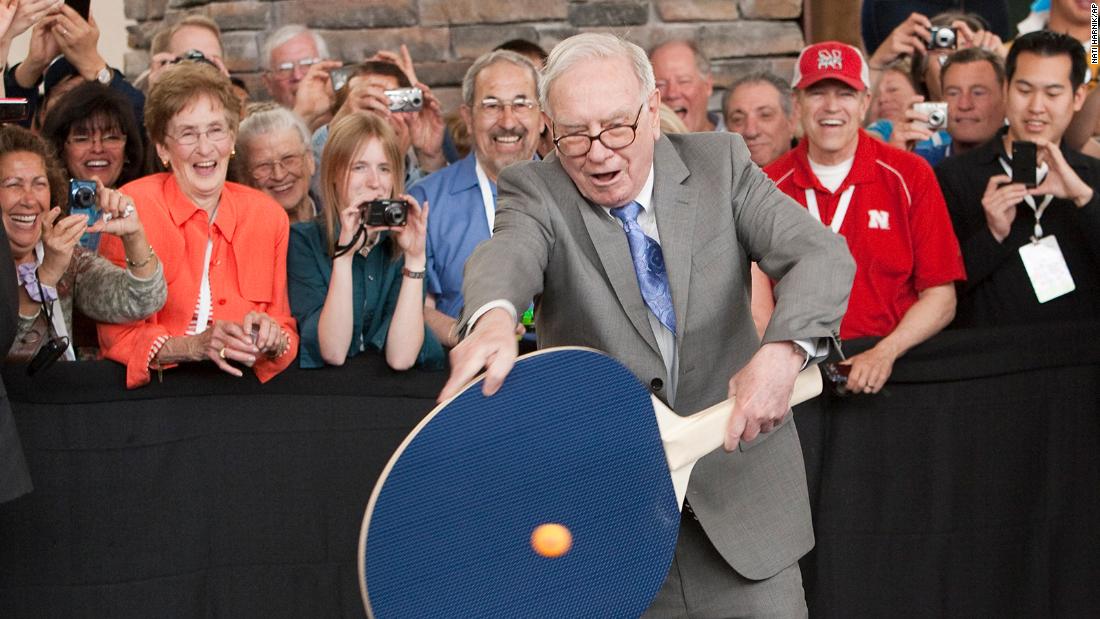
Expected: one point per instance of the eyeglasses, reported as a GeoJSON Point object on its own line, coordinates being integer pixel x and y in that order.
{"type": "Point", "coordinates": [289, 163]}
{"type": "Point", "coordinates": [106, 141]}
{"type": "Point", "coordinates": [285, 70]}
{"type": "Point", "coordinates": [189, 137]}
{"type": "Point", "coordinates": [493, 107]}
{"type": "Point", "coordinates": [614, 138]}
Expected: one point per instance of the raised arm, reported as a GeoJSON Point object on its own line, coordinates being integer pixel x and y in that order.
{"type": "Point", "coordinates": [406, 333]}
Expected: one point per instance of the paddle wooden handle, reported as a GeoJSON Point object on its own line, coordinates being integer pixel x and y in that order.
{"type": "Point", "coordinates": [694, 437]}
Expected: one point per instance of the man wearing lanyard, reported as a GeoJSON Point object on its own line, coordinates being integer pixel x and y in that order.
{"type": "Point", "coordinates": [1031, 253]}
{"type": "Point", "coordinates": [884, 201]}
{"type": "Point", "coordinates": [501, 111]}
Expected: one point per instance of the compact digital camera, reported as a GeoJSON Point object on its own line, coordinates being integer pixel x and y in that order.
{"type": "Point", "coordinates": [340, 77]}
{"type": "Point", "coordinates": [405, 99]}
{"type": "Point", "coordinates": [82, 196]}
{"type": "Point", "coordinates": [193, 55]}
{"type": "Point", "coordinates": [943, 37]}
{"type": "Point", "coordinates": [384, 212]}
{"type": "Point", "coordinates": [936, 112]}
{"type": "Point", "coordinates": [82, 201]}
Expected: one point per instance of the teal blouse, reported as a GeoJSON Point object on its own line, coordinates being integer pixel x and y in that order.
{"type": "Point", "coordinates": [376, 282]}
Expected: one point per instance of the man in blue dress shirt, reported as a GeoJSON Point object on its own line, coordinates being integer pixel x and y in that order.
{"type": "Point", "coordinates": [501, 111]}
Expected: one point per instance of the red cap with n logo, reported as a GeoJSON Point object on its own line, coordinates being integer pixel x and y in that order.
{"type": "Point", "coordinates": [831, 60]}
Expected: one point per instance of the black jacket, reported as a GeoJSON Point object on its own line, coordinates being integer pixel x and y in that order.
{"type": "Point", "coordinates": [997, 290]}
{"type": "Point", "coordinates": [14, 480]}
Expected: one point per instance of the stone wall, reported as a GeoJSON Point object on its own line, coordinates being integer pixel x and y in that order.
{"type": "Point", "coordinates": [444, 36]}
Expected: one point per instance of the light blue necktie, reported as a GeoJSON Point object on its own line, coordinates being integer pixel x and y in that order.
{"type": "Point", "coordinates": [649, 265]}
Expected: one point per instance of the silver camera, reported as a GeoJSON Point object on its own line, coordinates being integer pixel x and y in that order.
{"type": "Point", "coordinates": [405, 99]}
{"type": "Point", "coordinates": [936, 112]}
{"type": "Point", "coordinates": [340, 77]}
{"type": "Point", "coordinates": [943, 37]}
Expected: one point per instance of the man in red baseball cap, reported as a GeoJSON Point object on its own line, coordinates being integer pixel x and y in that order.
{"type": "Point", "coordinates": [885, 202]}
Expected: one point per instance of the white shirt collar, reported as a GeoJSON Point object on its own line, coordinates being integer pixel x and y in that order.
{"type": "Point", "coordinates": [645, 196]}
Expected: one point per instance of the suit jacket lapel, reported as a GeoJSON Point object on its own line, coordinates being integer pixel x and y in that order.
{"type": "Point", "coordinates": [614, 253]}
{"type": "Point", "coordinates": [673, 204]}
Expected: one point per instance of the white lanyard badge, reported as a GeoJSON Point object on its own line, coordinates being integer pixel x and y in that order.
{"type": "Point", "coordinates": [1039, 209]}
{"type": "Point", "coordinates": [841, 207]}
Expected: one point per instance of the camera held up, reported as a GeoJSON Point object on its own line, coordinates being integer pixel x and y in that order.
{"type": "Point", "coordinates": [193, 55]}
{"type": "Point", "coordinates": [405, 99]}
{"type": "Point", "coordinates": [82, 201]}
{"type": "Point", "coordinates": [82, 195]}
{"type": "Point", "coordinates": [384, 212]}
{"type": "Point", "coordinates": [936, 111]}
{"type": "Point", "coordinates": [943, 37]}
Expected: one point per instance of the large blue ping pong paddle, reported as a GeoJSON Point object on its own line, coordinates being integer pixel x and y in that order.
{"type": "Point", "coordinates": [571, 438]}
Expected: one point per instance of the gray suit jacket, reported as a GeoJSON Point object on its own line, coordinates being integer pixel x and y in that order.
{"type": "Point", "coordinates": [716, 211]}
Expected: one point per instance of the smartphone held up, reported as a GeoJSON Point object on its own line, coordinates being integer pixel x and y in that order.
{"type": "Point", "coordinates": [1024, 163]}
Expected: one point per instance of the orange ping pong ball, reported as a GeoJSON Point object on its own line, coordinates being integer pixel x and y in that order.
{"type": "Point", "coordinates": [551, 540]}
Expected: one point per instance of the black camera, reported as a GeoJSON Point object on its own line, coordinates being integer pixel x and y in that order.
{"type": "Point", "coordinates": [46, 356]}
{"type": "Point", "coordinates": [405, 99]}
{"type": "Point", "coordinates": [193, 55]}
{"type": "Point", "coordinates": [943, 37]}
{"type": "Point", "coordinates": [384, 212]}
{"type": "Point", "coordinates": [12, 110]}
{"type": "Point", "coordinates": [82, 195]}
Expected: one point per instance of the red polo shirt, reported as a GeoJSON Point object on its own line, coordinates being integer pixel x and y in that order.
{"type": "Point", "coordinates": [897, 228]}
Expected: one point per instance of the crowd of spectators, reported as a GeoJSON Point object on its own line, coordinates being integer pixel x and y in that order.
{"type": "Point", "coordinates": [235, 273]}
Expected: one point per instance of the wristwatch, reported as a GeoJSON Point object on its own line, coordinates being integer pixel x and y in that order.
{"type": "Point", "coordinates": [104, 76]}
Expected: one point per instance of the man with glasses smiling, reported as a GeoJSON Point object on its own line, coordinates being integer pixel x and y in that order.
{"type": "Point", "coordinates": [294, 55]}
{"type": "Point", "coordinates": [501, 111]}
{"type": "Point", "coordinates": [639, 245]}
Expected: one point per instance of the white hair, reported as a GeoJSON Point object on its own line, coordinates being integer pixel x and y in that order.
{"type": "Point", "coordinates": [588, 46]}
{"type": "Point", "coordinates": [269, 119]}
{"type": "Point", "coordinates": [490, 59]}
{"type": "Point", "coordinates": [286, 33]}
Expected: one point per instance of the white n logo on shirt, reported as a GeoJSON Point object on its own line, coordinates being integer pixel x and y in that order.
{"type": "Point", "coordinates": [878, 220]}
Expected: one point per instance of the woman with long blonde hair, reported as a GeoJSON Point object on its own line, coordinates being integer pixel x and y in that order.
{"type": "Point", "coordinates": [355, 286]}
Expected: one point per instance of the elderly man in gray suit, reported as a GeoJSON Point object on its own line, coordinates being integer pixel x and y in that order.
{"type": "Point", "coordinates": [639, 244]}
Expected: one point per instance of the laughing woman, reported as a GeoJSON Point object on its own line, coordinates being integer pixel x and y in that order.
{"type": "Point", "coordinates": [93, 131]}
{"type": "Point", "coordinates": [57, 274]}
{"type": "Point", "coordinates": [223, 245]}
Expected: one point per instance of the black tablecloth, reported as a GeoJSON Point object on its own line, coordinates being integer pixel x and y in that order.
{"type": "Point", "coordinates": [970, 488]}
{"type": "Point", "coordinates": [202, 496]}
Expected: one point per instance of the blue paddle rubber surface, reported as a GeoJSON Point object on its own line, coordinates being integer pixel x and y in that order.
{"type": "Point", "coordinates": [570, 438]}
